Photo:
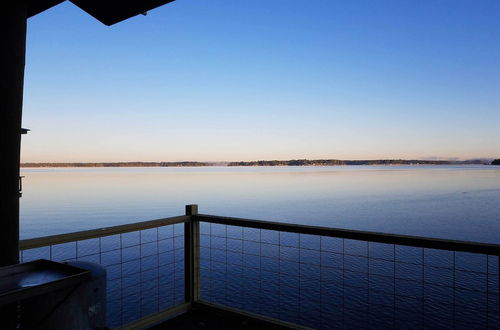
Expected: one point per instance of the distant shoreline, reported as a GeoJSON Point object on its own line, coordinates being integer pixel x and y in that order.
{"type": "Point", "coordinates": [293, 162]}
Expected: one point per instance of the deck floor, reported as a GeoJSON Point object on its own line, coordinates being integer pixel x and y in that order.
{"type": "Point", "coordinates": [210, 319]}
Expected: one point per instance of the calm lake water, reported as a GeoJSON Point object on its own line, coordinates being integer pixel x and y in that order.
{"type": "Point", "coordinates": [319, 282]}
{"type": "Point", "coordinates": [457, 202]}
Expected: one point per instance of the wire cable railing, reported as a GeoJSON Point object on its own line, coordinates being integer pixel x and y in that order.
{"type": "Point", "coordinates": [326, 278]}
{"type": "Point", "coordinates": [291, 275]}
{"type": "Point", "coordinates": [144, 263]}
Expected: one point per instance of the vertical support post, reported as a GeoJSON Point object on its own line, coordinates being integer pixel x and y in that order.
{"type": "Point", "coordinates": [13, 16]}
{"type": "Point", "coordinates": [191, 255]}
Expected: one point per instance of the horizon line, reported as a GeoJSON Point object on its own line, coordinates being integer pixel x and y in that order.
{"type": "Point", "coordinates": [214, 163]}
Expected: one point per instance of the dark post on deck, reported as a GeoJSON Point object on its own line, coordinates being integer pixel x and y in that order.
{"type": "Point", "coordinates": [191, 255]}
{"type": "Point", "coordinates": [13, 24]}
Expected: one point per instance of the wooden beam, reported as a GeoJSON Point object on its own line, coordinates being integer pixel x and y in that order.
{"type": "Point", "coordinates": [13, 18]}
{"type": "Point", "coordinates": [424, 242]}
{"type": "Point", "coordinates": [191, 256]}
{"type": "Point", "coordinates": [101, 232]}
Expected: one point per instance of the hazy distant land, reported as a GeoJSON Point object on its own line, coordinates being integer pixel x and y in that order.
{"type": "Point", "coordinates": [293, 162]}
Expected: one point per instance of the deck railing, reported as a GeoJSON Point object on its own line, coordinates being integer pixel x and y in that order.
{"type": "Point", "coordinates": [292, 275]}
{"type": "Point", "coordinates": [144, 263]}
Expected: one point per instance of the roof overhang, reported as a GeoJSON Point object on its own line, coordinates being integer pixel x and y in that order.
{"type": "Point", "coordinates": [107, 12]}
{"type": "Point", "coordinates": [35, 7]}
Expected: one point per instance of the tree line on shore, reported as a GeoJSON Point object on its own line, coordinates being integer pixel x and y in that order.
{"type": "Point", "coordinates": [293, 162]}
{"type": "Point", "coordinates": [118, 164]}
{"type": "Point", "coordinates": [338, 162]}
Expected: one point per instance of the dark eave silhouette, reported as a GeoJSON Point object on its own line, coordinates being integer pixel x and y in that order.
{"type": "Point", "coordinates": [107, 12]}
{"type": "Point", "coordinates": [34, 7]}
{"type": "Point", "coordinates": [114, 11]}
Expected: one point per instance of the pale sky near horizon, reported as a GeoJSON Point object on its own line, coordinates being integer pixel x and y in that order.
{"type": "Point", "coordinates": [225, 80]}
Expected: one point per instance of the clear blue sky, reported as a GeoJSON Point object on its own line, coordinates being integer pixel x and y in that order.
{"type": "Point", "coordinates": [275, 79]}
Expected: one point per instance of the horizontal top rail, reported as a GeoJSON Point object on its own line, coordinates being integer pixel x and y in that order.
{"type": "Point", "coordinates": [416, 241]}
{"type": "Point", "coordinates": [32, 243]}
{"type": "Point", "coordinates": [407, 240]}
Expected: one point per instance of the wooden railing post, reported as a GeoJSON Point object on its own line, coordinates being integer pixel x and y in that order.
{"type": "Point", "coordinates": [191, 255]}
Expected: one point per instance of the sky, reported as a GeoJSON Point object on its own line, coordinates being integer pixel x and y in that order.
{"type": "Point", "coordinates": [225, 80]}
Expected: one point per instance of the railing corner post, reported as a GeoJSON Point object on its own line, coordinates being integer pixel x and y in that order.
{"type": "Point", "coordinates": [192, 209]}
{"type": "Point", "coordinates": [191, 256]}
